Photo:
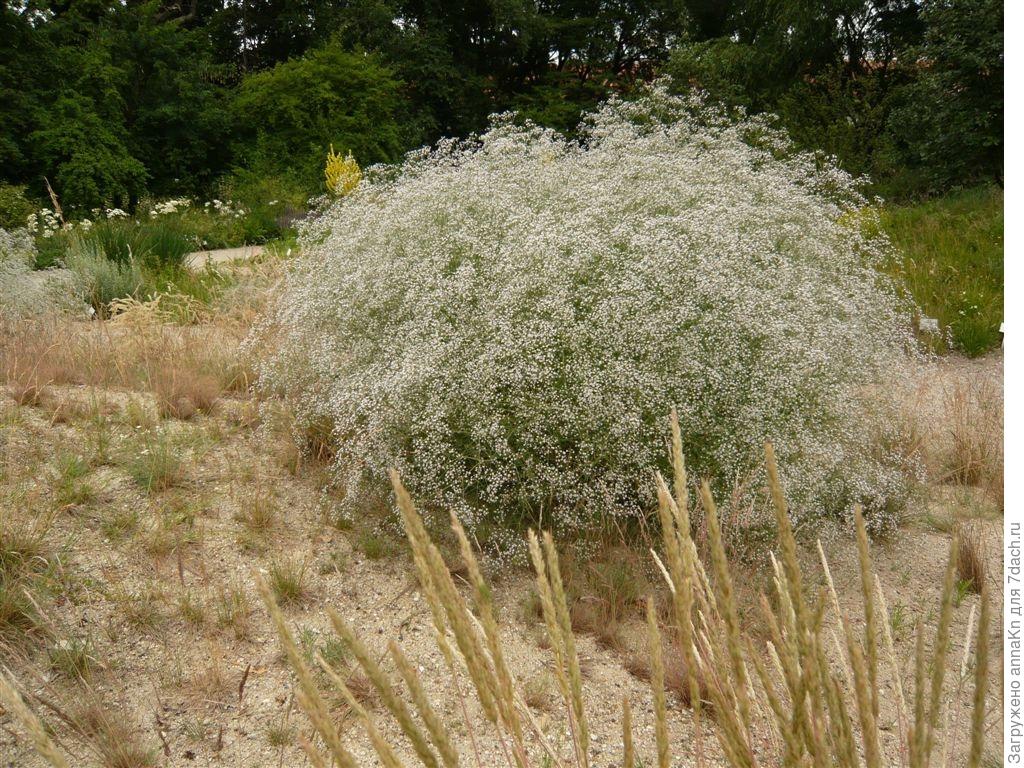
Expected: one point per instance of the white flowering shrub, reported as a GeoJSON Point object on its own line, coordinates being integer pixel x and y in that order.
{"type": "Point", "coordinates": [509, 320]}
{"type": "Point", "coordinates": [25, 292]}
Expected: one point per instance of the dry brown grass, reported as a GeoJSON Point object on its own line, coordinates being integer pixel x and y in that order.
{"type": "Point", "coordinates": [972, 557]}
{"type": "Point", "coordinates": [605, 592]}
{"type": "Point", "coordinates": [677, 679]}
{"type": "Point", "coordinates": [28, 369]}
{"type": "Point", "coordinates": [233, 610]}
{"type": "Point", "coordinates": [974, 446]}
{"type": "Point", "coordinates": [24, 555]}
{"type": "Point", "coordinates": [538, 693]}
{"type": "Point", "coordinates": [210, 681]}
{"type": "Point", "coordinates": [112, 735]}
{"type": "Point", "coordinates": [182, 392]}
{"type": "Point", "coordinates": [362, 689]}
{"type": "Point", "coordinates": [68, 407]}
{"type": "Point", "coordinates": [186, 368]}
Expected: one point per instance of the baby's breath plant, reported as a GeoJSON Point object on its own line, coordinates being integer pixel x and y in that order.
{"type": "Point", "coordinates": [25, 292]}
{"type": "Point", "coordinates": [505, 320]}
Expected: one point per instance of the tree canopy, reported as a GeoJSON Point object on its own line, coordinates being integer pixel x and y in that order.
{"type": "Point", "coordinates": [112, 100]}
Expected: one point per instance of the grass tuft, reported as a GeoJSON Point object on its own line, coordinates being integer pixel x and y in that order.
{"type": "Point", "coordinates": [113, 735]}
{"type": "Point", "coordinates": [24, 559]}
{"type": "Point", "coordinates": [972, 558]}
{"type": "Point", "coordinates": [287, 579]}
{"type": "Point", "coordinates": [181, 391]}
{"type": "Point", "coordinates": [974, 454]}
{"type": "Point", "coordinates": [157, 465]}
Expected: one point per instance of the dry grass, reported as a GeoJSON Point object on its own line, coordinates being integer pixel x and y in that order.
{"type": "Point", "coordinates": [192, 610]}
{"type": "Point", "coordinates": [27, 371]}
{"type": "Point", "coordinates": [64, 408]}
{"type": "Point", "coordinates": [182, 392]}
{"type": "Point", "coordinates": [258, 510]}
{"type": "Point", "coordinates": [974, 449]}
{"type": "Point", "coordinates": [362, 689]}
{"type": "Point", "coordinates": [233, 609]}
{"type": "Point", "coordinates": [605, 593]}
{"type": "Point", "coordinates": [187, 368]}
{"type": "Point", "coordinates": [14, 703]}
{"type": "Point", "coordinates": [677, 678]}
{"type": "Point", "coordinates": [74, 658]}
{"type": "Point", "coordinates": [210, 681]}
{"type": "Point", "coordinates": [538, 693]}
{"type": "Point", "coordinates": [972, 557]}
{"type": "Point", "coordinates": [141, 607]}
{"type": "Point", "coordinates": [24, 557]}
{"type": "Point", "coordinates": [113, 736]}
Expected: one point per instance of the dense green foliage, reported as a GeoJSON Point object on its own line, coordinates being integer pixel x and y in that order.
{"type": "Point", "coordinates": [908, 92]}
{"type": "Point", "coordinates": [112, 102]}
{"type": "Point", "coordinates": [288, 114]}
{"type": "Point", "coordinates": [950, 119]}
{"type": "Point", "coordinates": [951, 260]}
{"type": "Point", "coordinates": [14, 206]}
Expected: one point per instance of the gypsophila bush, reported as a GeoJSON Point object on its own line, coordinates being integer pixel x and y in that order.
{"type": "Point", "coordinates": [506, 320]}
{"type": "Point", "coordinates": [27, 293]}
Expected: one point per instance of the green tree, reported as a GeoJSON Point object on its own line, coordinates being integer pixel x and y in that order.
{"type": "Point", "coordinates": [292, 113]}
{"type": "Point", "coordinates": [828, 69]}
{"type": "Point", "coordinates": [19, 93]}
{"type": "Point", "coordinates": [81, 142]}
{"type": "Point", "coordinates": [950, 122]}
{"type": "Point", "coordinates": [109, 101]}
{"type": "Point", "coordinates": [176, 98]}
{"type": "Point", "coordinates": [90, 155]}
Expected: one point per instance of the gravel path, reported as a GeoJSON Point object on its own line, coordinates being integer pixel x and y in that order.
{"type": "Point", "coordinates": [200, 259]}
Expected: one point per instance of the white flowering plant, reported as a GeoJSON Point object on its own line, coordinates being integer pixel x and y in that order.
{"type": "Point", "coordinates": [509, 319]}
{"type": "Point", "coordinates": [26, 292]}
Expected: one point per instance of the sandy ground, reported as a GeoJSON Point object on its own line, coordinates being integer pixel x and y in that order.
{"type": "Point", "coordinates": [203, 694]}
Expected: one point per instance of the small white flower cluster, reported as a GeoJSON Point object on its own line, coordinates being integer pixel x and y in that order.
{"type": "Point", "coordinates": [225, 208]}
{"type": "Point", "coordinates": [508, 321]}
{"type": "Point", "coordinates": [43, 222]}
{"type": "Point", "coordinates": [167, 207]}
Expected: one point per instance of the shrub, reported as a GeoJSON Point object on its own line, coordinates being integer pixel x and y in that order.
{"type": "Point", "coordinates": [14, 206]}
{"type": "Point", "coordinates": [290, 114]}
{"type": "Point", "coordinates": [102, 279]}
{"type": "Point", "coordinates": [505, 319]}
{"type": "Point", "coordinates": [24, 292]}
{"type": "Point", "coordinates": [273, 203]}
